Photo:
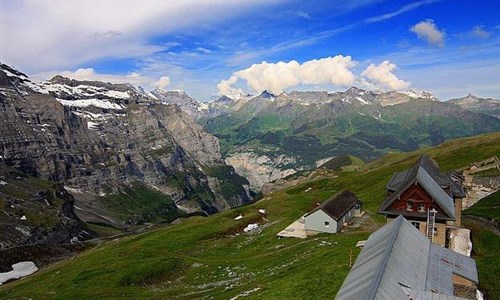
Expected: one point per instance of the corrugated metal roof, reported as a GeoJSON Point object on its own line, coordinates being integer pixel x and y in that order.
{"type": "Point", "coordinates": [437, 193]}
{"type": "Point", "coordinates": [443, 263]}
{"type": "Point", "coordinates": [399, 255]}
{"type": "Point", "coordinates": [427, 295]}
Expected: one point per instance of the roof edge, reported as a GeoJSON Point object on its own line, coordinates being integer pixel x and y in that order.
{"type": "Point", "coordinates": [395, 230]}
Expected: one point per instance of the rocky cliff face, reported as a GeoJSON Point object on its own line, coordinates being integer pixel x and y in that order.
{"type": "Point", "coordinates": [99, 137]}
{"type": "Point", "coordinates": [180, 98]}
{"type": "Point", "coordinates": [260, 169]}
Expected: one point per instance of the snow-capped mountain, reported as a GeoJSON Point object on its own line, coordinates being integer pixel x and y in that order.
{"type": "Point", "coordinates": [181, 99]}
{"type": "Point", "coordinates": [487, 106]}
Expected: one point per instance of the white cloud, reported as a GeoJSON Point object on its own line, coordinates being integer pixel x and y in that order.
{"type": "Point", "coordinates": [225, 87]}
{"type": "Point", "coordinates": [479, 32]}
{"type": "Point", "coordinates": [304, 15]}
{"type": "Point", "coordinates": [163, 82]}
{"type": "Point", "coordinates": [276, 77]}
{"type": "Point", "coordinates": [38, 36]}
{"type": "Point", "coordinates": [382, 76]}
{"type": "Point", "coordinates": [403, 9]}
{"type": "Point", "coordinates": [90, 74]}
{"type": "Point", "coordinates": [428, 31]}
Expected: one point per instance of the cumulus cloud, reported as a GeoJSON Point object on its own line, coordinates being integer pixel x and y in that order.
{"type": "Point", "coordinates": [225, 87]}
{"type": "Point", "coordinates": [382, 76]}
{"type": "Point", "coordinates": [276, 77]}
{"type": "Point", "coordinates": [163, 82]}
{"type": "Point", "coordinates": [428, 31]}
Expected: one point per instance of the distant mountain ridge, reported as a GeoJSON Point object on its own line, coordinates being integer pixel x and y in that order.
{"type": "Point", "coordinates": [486, 106]}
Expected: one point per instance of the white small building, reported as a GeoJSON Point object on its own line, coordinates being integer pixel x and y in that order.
{"type": "Point", "coordinates": [333, 213]}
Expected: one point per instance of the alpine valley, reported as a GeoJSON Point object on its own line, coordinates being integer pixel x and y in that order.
{"type": "Point", "coordinates": [127, 157]}
{"type": "Point", "coordinates": [268, 137]}
{"type": "Point", "coordinates": [109, 163]}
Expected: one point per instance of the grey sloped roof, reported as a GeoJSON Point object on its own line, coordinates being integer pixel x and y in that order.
{"type": "Point", "coordinates": [426, 173]}
{"type": "Point", "coordinates": [437, 193]}
{"type": "Point", "coordinates": [444, 262]}
{"type": "Point", "coordinates": [398, 255]}
{"type": "Point", "coordinates": [400, 179]}
{"type": "Point", "coordinates": [427, 295]}
{"type": "Point", "coordinates": [337, 206]}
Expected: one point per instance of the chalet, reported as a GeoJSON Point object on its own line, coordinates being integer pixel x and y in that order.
{"type": "Point", "coordinates": [399, 262]}
{"type": "Point", "coordinates": [333, 213]}
{"type": "Point", "coordinates": [428, 198]}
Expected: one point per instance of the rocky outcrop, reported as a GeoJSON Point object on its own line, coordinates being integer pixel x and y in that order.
{"type": "Point", "coordinates": [180, 98]}
{"type": "Point", "coordinates": [35, 212]}
{"type": "Point", "coordinates": [260, 169]}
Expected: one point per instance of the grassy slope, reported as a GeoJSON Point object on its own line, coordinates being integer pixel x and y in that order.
{"type": "Point", "coordinates": [486, 243]}
{"type": "Point", "coordinates": [203, 256]}
{"type": "Point", "coordinates": [488, 207]}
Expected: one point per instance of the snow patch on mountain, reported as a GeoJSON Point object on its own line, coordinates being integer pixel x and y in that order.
{"type": "Point", "coordinates": [363, 101]}
{"type": "Point", "coordinates": [91, 102]}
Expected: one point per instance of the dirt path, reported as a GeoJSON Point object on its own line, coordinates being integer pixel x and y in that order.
{"type": "Point", "coordinates": [480, 222]}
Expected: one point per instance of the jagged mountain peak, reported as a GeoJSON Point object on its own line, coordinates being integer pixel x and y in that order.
{"type": "Point", "coordinates": [8, 70]}
{"type": "Point", "coordinates": [355, 90]}
{"type": "Point", "coordinates": [182, 99]}
{"type": "Point", "coordinates": [266, 94]}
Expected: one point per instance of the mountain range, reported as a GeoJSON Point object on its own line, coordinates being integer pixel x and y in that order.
{"type": "Point", "coordinates": [267, 137]}
{"type": "Point", "coordinates": [129, 157]}
{"type": "Point", "coordinates": [101, 140]}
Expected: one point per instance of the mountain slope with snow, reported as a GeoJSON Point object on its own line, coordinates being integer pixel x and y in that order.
{"type": "Point", "coordinates": [103, 139]}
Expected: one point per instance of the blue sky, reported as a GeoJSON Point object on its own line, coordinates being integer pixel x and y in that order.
{"type": "Point", "coordinates": [212, 47]}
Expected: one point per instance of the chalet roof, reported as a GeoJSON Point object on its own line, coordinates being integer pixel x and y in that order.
{"type": "Point", "coordinates": [424, 173]}
{"type": "Point", "coordinates": [398, 180]}
{"type": "Point", "coordinates": [337, 206]}
{"type": "Point", "coordinates": [397, 257]}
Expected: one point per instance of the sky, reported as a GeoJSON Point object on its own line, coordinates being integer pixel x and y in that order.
{"type": "Point", "coordinates": [213, 47]}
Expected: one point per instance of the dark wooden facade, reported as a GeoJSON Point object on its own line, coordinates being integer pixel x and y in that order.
{"type": "Point", "coordinates": [420, 201]}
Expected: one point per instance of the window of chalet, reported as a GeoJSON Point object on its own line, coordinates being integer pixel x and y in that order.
{"type": "Point", "coordinates": [327, 224]}
{"type": "Point", "coordinates": [409, 205]}
{"type": "Point", "coordinates": [435, 231]}
{"type": "Point", "coordinates": [416, 224]}
{"type": "Point", "coordinates": [421, 207]}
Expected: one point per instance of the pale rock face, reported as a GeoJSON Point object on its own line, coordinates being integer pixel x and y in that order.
{"type": "Point", "coordinates": [186, 103]}
{"type": "Point", "coordinates": [260, 169]}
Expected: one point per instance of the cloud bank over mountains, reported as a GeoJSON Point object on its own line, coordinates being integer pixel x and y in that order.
{"type": "Point", "coordinates": [337, 70]}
